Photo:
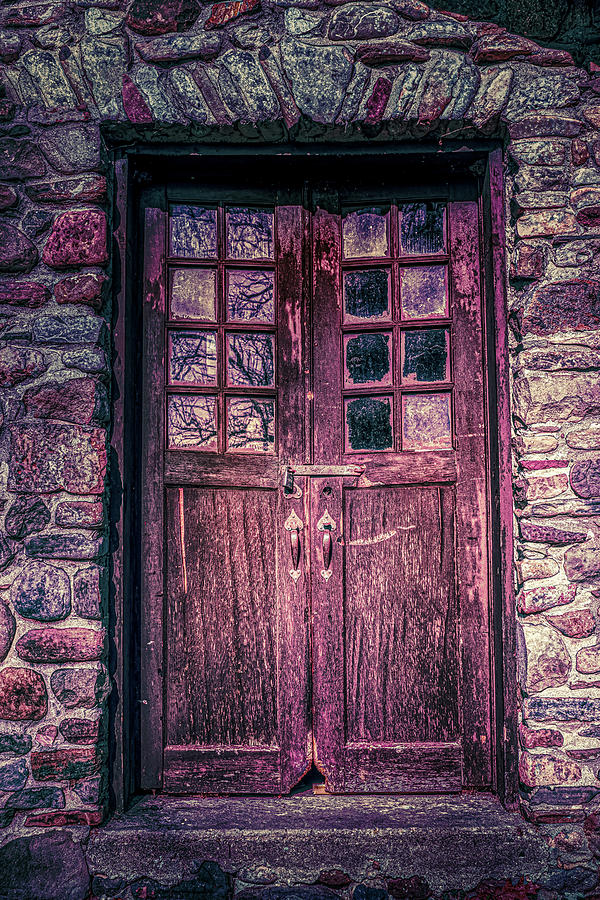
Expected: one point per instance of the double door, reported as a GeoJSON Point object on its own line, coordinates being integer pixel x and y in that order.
{"type": "Point", "coordinates": [315, 547]}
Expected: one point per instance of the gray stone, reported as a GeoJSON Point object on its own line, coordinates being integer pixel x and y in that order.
{"type": "Point", "coordinates": [245, 88]}
{"type": "Point", "coordinates": [362, 21]}
{"type": "Point", "coordinates": [104, 62]}
{"type": "Point", "coordinates": [64, 546]}
{"type": "Point", "coordinates": [42, 592]}
{"type": "Point", "coordinates": [19, 744]}
{"type": "Point", "coordinates": [319, 99]}
{"type": "Point", "coordinates": [535, 90]}
{"type": "Point", "coordinates": [36, 798]}
{"type": "Point", "coordinates": [87, 596]}
{"type": "Point", "coordinates": [50, 865]}
{"type": "Point", "coordinates": [177, 48]}
{"type": "Point", "coordinates": [7, 630]}
{"type": "Point", "coordinates": [13, 775]}
{"type": "Point", "coordinates": [46, 73]}
{"type": "Point", "coordinates": [88, 360]}
{"type": "Point", "coordinates": [561, 709]}
{"type": "Point", "coordinates": [68, 330]}
{"type": "Point", "coordinates": [79, 688]}
{"type": "Point", "coordinates": [72, 148]}
{"type": "Point", "coordinates": [26, 516]}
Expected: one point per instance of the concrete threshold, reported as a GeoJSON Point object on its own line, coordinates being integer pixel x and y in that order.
{"type": "Point", "coordinates": [451, 841]}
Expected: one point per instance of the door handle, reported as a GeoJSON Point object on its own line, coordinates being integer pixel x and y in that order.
{"type": "Point", "coordinates": [294, 525]}
{"type": "Point", "coordinates": [326, 524]}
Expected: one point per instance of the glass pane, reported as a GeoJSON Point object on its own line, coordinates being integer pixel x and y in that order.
{"type": "Point", "coordinates": [249, 233]}
{"type": "Point", "coordinates": [251, 424]}
{"type": "Point", "coordinates": [193, 294]}
{"type": "Point", "coordinates": [423, 228]}
{"type": "Point", "coordinates": [426, 422]}
{"type": "Point", "coordinates": [425, 355]}
{"type": "Point", "coordinates": [369, 423]}
{"type": "Point", "coordinates": [424, 292]}
{"type": "Point", "coordinates": [365, 233]}
{"type": "Point", "coordinates": [192, 357]}
{"type": "Point", "coordinates": [368, 358]}
{"type": "Point", "coordinates": [250, 296]}
{"type": "Point", "coordinates": [250, 359]}
{"type": "Point", "coordinates": [366, 294]}
{"type": "Point", "coordinates": [193, 231]}
{"type": "Point", "coordinates": [192, 421]}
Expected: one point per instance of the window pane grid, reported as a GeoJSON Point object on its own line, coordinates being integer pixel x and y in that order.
{"type": "Point", "coordinates": [220, 368]}
{"type": "Point", "coordinates": [397, 380]}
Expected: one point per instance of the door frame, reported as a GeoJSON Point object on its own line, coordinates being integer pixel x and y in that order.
{"type": "Point", "coordinates": [133, 171]}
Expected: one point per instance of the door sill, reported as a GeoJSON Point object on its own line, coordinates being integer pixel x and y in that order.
{"type": "Point", "coordinates": [450, 840]}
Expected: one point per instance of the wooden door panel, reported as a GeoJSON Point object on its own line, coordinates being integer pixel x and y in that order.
{"type": "Point", "coordinates": [400, 616]}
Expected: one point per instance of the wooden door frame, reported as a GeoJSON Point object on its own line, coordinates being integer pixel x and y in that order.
{"type": "Point", "coordinates": [132, 169]}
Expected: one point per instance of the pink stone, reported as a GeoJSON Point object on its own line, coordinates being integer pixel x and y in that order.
{"type": "Point", "coordinates": [545, 770]}
{"type": "Point", "coordinates": [85, 289]}
{"type": "Point", "coordinates": [577, 623]}
{"type": "Point", "coordinates": [23, 694]}
{"type": "Point", "coordinates": [136, 108]}
{"type": "Point", "coordinates": [539, 599]}
{"type": "Point", "coordinates": [78, 238]}
{"type": "Point", "coordinates": [23, 293]}
{"type": "Point", "coordinates": [60, 645]}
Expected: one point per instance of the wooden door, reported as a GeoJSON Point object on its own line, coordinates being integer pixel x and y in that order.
{"type": "Point", "coordinates": [400, 608]}
{"type": "Point", "coordinates": [225, 654]}
{"type": "Point", "coordinates": [314, 521]}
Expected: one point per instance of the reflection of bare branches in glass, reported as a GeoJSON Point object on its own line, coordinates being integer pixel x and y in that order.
{"type": "Point", "coordinates": [193, 357]}
{"type": "Point", "coordinates": [192, 421]}
{"type": "Point", "coordinates": [250, 424]}
{"type": "Point", "coordinates": [193, 231]}
{"type": "Point", "coordinates": [249, 233]}
{"type": "Point", "coordinates": [250, 296]}
{"type": "Point", "coordinates": [250, 359]}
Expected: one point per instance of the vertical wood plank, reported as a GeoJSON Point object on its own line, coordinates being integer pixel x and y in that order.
{"type": "Point", "coordinates": [504, 614]}
{"type": "Point", "coordinates": [151, 703]}
{"type": "Point", "coordinates": [119, 627]}
{"type": "Point", "coordinates": [327, 314]}
{"type": "Point", "coordinates": [471, 511]}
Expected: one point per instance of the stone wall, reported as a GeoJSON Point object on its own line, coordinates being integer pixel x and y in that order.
{"type": "Point", "coordinates": [245, 70]}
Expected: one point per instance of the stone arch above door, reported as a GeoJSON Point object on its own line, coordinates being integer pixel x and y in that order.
{"type": "Point", "coordinates": [249, 73]}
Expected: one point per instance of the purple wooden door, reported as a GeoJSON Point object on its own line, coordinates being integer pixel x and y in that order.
{"type": "Point", "coordinates": [399, 574]}
{"type": "Point", "coordinates": [314, 466]}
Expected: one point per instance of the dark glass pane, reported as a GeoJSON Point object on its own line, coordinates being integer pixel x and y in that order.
{"type": "Point", "coordinates": [366, 294]}
{"type": "Point", "coordinates": [425, 355]}
{"type": "Point", "coordinates": [368, 359]}
{"type": "Point", "coordinates": [192, 421]}
{"type": "Point", "coordinates": [250, 359]}
{"type": "Point", "coordinates": [251, 424]}
{"type": "Point", "coordinates": [423, 292]}
{"type": "Point", "coordinates": [426, 422]}
{"type": "Point", "coordinates": [193, 357]}
{"type": "Point", "coordinates": [193, 294]}
{"type": "Point", "coordinates": [250, 296]}
{"type": "Point", "coordinates": [422, 228]}
{"type": "Point", "coordinates": [193, 232]}
{"type": "Point", "coordinates": [364, 233]}
{"type": "Point", "coordinates": [249, 233]}
{"type": "Point", "coordinates": [369, 423]}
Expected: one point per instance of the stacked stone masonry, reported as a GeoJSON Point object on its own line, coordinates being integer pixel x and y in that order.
{"type": "Point", "coordinates": [245, 70]}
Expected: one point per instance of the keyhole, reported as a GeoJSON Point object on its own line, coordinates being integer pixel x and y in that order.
{"type": "Point", "coordinates": [326, 492]}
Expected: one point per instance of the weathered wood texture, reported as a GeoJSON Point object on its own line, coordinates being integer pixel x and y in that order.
{"type": "Point", "coordinates": [221, 609]}
{"type": "Point", "coordinates": [400, 615]}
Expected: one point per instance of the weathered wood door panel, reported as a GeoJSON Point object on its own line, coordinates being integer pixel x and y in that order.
{"type": "Point", "coordinates": [322, 484]}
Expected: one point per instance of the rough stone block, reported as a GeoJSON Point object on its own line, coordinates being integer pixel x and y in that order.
{"type": "Point", "coordinates": [22, 694]}
{"type": "Point", "coordinates": [78, 238]}
{"type": "Point", "coordinates": [52, 457]}
{"type": "Point", "coordinates": [42, 592]}
{"type": "Point", "coordinates": [60, 645]}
